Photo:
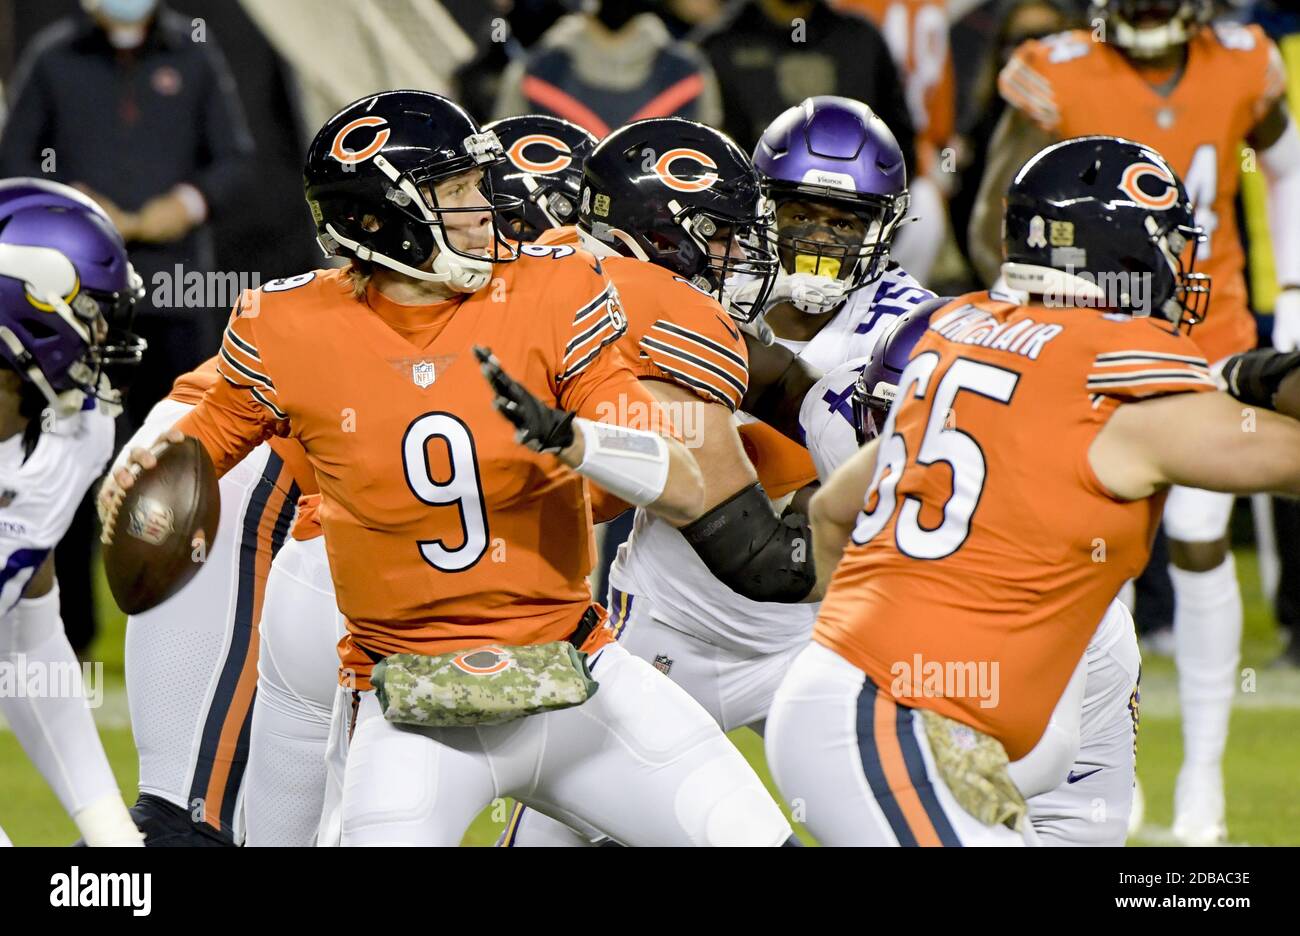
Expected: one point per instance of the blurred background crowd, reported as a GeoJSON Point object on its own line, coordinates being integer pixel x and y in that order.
{"type": "Point", "coordinates": [187, 121]}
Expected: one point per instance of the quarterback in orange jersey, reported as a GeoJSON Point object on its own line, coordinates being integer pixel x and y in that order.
{"type": "Point", "coordinates": [191, 662]}
{"type": "Point", "coordinates": [959, 609]}
{"type": "Point", "coordinates": [443, 532]}
{"type": "Point", "coordinates": [1194, 92]}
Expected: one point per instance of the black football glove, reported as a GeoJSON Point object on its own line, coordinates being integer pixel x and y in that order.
{"type": "Point", "coordinates": [542, 428]}
{"type": "Point", "coordinates": [1253, 377]}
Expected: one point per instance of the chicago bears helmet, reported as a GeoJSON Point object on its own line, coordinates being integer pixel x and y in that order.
{"type": "Point", "coordinates": [1104, 222]}
{"type": "Point", "coordinates": [1149, 28]}
{"type": "Point", "coordinates": [370, 183]}
{"type": "Point", "coordinates": [664, 188]}
{"type": "Point", "coordinates": [543, 168]}
{"type": "Point", "coordinates": [835, 151]}
{"type": "Point", "coordinates": [877, 385]}
{"type": "Point", "coordinates": [67, 292]}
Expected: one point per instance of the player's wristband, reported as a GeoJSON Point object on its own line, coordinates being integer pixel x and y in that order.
{"type": "Point", "coordinates": [629, 463]}
{"type": "Point", "coordinates": [1253, 377]}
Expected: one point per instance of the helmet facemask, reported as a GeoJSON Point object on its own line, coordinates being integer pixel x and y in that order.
{"type": "Point", "coordinates": [730, 251]}
{"type": "Point", "coordinates": [1151, 28]}
{"type": "Point", "coordinates": [850, 247]}
{"type": "Point", "coordinates": [1189, 295]}
{"type": "Point", "coordinates": [413, 196]}
{"type": "Point", "coordinates": [870, 408]}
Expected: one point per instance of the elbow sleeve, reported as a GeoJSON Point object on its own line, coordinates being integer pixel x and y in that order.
{"type": "Point", "coordinates": [754, 552]}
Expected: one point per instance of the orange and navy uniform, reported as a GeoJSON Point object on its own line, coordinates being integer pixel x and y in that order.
{"type": "Point", "coordinates": [987, 543]}
{"type": "Point", "coordinates": [917, 34]}
{"type": "Point", "coordinates": [223, 748]}
{"type": "Point", "coordinates": [442, 532]}
{"type": "Point", "coordinates": [679, 334]}
{"type": "Point", "coordinates": [1072, 86]}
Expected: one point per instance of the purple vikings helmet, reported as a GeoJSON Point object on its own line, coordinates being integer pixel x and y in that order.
{"type": "Point", "coordinates": [877, 385]}
{"type": "Point", "coordinates": [836, 151]}
{"type": "Point", "coordinates": [64, 279]}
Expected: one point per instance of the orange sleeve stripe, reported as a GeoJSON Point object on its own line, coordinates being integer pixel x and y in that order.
{"type": "Point", "coordinates": [1028, 91]}
{"type": "Point", "coordinates": [232, 338]}
{"type": "Point", "coordinates": [678, 356]}
{"type": "Point", "coordinates": [597, 329]}
{"type": "Point", "coordinates": [701, 386]}
{"type": "Point", "coordinates": [697, 344]}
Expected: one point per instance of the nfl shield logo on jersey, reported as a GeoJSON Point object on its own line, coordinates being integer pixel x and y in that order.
{"type": "Point", "coordinates": [663, 664]}
{"type": "Point", "coordinates": [422, 373]}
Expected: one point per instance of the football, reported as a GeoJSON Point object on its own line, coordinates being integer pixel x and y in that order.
{"type": "Point", "coordinates": [164, 527]}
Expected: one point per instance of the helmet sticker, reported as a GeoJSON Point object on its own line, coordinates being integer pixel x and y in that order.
{"type": "Point", "coordinates": [664, 170]}
{"type": "Point", "coordinates": [1036, 236]}
{"type": "Point", "coordinates": [348, 156]}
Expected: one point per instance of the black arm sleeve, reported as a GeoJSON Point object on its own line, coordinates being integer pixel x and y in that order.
{"type": "Point", "coordinates": [754, 552]}
{"type": "Point", "coordinates": [778, 382]}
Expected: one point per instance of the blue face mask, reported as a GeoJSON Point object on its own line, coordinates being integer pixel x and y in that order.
{"type": "Point", "coordinates": [126, 11]}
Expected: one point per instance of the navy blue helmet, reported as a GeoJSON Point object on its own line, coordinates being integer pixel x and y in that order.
{"type": "Point", "coordinates": [1106, 223]}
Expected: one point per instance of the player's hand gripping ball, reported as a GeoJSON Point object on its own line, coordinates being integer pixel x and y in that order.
{"type": "Point", "coordinates": [160, 515]}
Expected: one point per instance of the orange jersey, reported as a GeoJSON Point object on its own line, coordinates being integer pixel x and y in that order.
{"type": "Point", "coordinates": [988, 550]}
{"type": "Point", "coordinates": [917, 34]}
{"type": "Point", "coordinates": [442, 531]}
{"type": "Point", "coordinates": [675, 332]}
{"type": "Point", "coordinates": [189, 388]}
{"type": "Point", "coordinates": [1072, 86]}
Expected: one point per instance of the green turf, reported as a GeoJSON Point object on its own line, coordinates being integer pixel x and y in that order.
{"type": "Point", "coordinates": [1261, 767]}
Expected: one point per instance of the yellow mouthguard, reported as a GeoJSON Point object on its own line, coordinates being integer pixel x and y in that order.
{"type": "Point", "coordinates": [818, 266]}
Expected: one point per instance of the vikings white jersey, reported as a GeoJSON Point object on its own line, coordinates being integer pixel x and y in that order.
{"type": "Point", "coordinates": [39, 494]}
{"type": "Point", "coordinates": [656, 561]}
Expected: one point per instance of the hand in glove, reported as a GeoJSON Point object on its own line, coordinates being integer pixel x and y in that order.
{"type": "Point", "coordinates": [1254, 377]}
{"type": "Point", "coordinates": [540, 427]}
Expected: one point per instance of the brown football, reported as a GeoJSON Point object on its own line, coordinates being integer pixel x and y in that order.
{"type": "Point", "coordinates": [164, 528]}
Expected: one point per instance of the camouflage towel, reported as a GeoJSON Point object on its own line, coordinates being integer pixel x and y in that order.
{"type": "Point", "coordinates": [485, 686]}
{"type": "Point", "coordinates": [974, 766]}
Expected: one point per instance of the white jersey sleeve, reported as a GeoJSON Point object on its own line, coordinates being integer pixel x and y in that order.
{"type": "Point", "coordinates": [40, 494]}
{"type": "Point", "coordinates": [826, 418]}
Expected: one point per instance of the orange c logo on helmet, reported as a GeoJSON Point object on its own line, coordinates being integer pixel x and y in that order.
{"type": "Point", "coordinates": [483, 661]}
{"type": "Point", "coordinates": [560, 161]}
{"type": "Point", "coordinates": [1129, 186]}
{"type": "Point", "coordinates": [663, 169]}
{"type": "Point", "coordinates": [345, 155]}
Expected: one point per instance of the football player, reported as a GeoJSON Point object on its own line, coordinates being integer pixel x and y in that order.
{"type": "Point", "coordinates": [1079, 777]}
{"type": "Point", "coordinates": [836, 175]}
{"type": "Point", "coordinates": [1164, 77]}
{"type": "Point", "coordinates": [836, 178]}
{"type": "Point", "coordinates": [192, 661]}
{"type": "Point", "coordinates": [932, 523]}
{"type": "Point", "coordinates": [64, 276]}
{"type": "Point", "coordinates": [443, 532]}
